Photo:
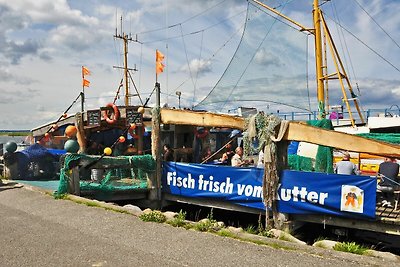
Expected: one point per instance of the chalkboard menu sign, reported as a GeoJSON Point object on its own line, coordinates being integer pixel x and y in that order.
{"type": "Point", "coordinates": [93, 117]}
{"type": "Point", "coordinates": [132, 116]}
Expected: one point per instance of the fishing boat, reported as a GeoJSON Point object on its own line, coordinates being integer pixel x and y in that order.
{"type": "Point", "coordinates": [380, 222]}
{"type": "Point", "coordinates": [286, 196]}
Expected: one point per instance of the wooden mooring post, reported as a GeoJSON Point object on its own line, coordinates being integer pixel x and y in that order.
{"type": "Point", "coordinates": [73, 182]}
{"type": "Point", "coordinates": [155, 191]}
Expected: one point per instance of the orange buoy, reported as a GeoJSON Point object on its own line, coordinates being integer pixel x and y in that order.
{"type": "Point", "coordinates": [71, 131]}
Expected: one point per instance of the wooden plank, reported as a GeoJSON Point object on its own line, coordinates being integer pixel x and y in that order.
{"type": "Point", "coordinates": [80, 134]}
{"type": "Point", "coordinates": [302, 132]}
{"type": "Point", "coordinates": [296, 131]}
{"type": "Point", "coordinates": [41, 130]}
{"type": "Point", "coordinates": [374, 226]}
{"type": "Point", "coordinates": [206, 119]}
{"type": "Point", "coordinates": [208, 202]}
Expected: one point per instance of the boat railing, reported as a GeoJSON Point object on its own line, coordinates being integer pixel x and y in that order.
{"type": "Point", "coordinates": [393, 111]}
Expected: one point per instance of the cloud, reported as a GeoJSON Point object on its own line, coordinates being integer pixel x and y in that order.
{"type": "Point", "coordinates": [7, 76]}
{"type": "Point", "coordinates": [197, 67]}
{"type": "Point", "coordinates": [49, 11]}
{"type": "Point", "coordinates": [16, 97]}
{"type": "Point", "coordinates": [266, 58]}
{"type": "Point", "coordinates": [73, 37]}
{"type": "Point", "coordinates": [42, 28]}
{"type": "Point", "coordinates": [16, 50]}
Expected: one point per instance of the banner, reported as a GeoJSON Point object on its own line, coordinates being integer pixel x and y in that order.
{"type": "Point", "coordinates": [241, 186]}
{"type": "Point", "coordinates": [341, 195]}
{"type": "Point", "coordinates": [298, 192]}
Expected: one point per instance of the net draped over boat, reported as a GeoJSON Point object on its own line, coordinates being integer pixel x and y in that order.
{"type": "Point", "coordinates": [268, 70]}
{"type": "Point", "coordinates": [117, 173]}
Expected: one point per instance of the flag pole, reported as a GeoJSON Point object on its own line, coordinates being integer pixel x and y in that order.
{"type": "Point", "coordinates": [83, 92]}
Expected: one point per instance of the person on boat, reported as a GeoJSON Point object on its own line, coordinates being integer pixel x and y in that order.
{"type": "Point", "coordinates": [388, 173]}
{"type": "Point", "coordinates": [345, 166]}
{"type": "Point", "coordinates": [226, 158]}
{"type": "Point", "coordinates": [207, 155]}
{"type": "Point", "coordinates": [168, 153]}
{"type": "Point", "coordinates": [237, 160]}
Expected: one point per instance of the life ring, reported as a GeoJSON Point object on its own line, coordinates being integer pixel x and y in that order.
{"type": "Point", "coordinates": [201, 134]}
{"type": "Point", "coordinates": [115, 116]}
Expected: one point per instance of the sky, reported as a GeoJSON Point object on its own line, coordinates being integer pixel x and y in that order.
{"type": "Point", "coordinates": [45, 43]}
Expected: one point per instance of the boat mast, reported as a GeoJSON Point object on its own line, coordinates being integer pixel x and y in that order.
{"type": "Point", "coordinates": [125, 39]}
{"type": "Point", "coordinates": [323, 39]}
{"type": "Point", "coordinates": [318, 60]}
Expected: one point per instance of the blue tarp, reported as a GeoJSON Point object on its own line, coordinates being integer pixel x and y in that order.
{"type": "Point", "coordinates": [56, 152]}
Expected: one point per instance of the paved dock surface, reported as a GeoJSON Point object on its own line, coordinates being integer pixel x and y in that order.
{"type": "Point", "coordinates": [37, 230]}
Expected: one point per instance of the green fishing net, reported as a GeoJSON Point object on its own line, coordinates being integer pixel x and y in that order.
{"type": "Point", "coordinates": [300, 163]}
{"type": "Point", "coordinates": [393, 138]}
{"type": "Point", "coordinates": [324, 157]}
{"type": "Point", "coordinates": [117, 173]}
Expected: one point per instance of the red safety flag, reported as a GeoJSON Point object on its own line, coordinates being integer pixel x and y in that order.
{"type": "Point", "coordinates": [159, 65]}
{"type": "Point", "coordinates": [85, 83]}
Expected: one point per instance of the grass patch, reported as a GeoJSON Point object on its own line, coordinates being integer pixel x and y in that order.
{"type": "Point", "coordinates": [259, 230]}
{"type": "Point", "coordinates": [350, 247]}
{"type": "Point", "coordinates": [285, 237]}
{"type": "Point", "coordinates": [153, 216]}
{"type": "Point", "coordinates": [265, 243]}
{"type": "Point", "coordinates": [203, 226]}
{"type": "Point", "coordinates": [226, 233]}
{"type": "Point", "coordinates": [179, 220]}
{"type": "Point", "coordinates": [22, 133]}
{"type": "Point", "coordinates": [207, 225]}
{"type": "Point", "coordinates": [251, 229]}
{"type": "Point", "coordinates": [88, 203]}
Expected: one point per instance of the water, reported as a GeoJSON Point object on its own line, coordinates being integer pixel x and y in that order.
{"type": "Point", "coordinates": [17, 139]}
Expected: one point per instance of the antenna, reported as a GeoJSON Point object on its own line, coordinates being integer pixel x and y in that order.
{"type": "Point", "coordinates": [125, 38]}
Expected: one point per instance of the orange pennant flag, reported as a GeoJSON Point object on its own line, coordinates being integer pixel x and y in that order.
{"type": "Point", "coordinates": [159, 56]}
{"type": "Point", "coordinates": [85, 83]}
{"type": "Point", "coordinates": [85, 71]}
{"type": "Point", "coordinates": [159, 65]}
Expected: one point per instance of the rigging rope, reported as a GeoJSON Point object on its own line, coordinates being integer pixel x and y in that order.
{"type": "Point", "coordinates": [198, 68]}
{"type": "Point", "coordinates": [248, 64]}
{"type": "Point", "coordinates": [388, 35]}
{"type": "Point", "coordinates": [187, 57]}
{"type": "Point", "coordinates": [342, 40]}
{"type": "Point", "coordinates": [195, 32]}
{"type": "Point", "coordinates": [183, 22]}
{"type": "Point", "coordinates": [366, 45]}
{"type": "Point", "coordinates": [216, 52]}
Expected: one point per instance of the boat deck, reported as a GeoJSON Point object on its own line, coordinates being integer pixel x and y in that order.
{"type": "Point", "coordinates": [388, 213]}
